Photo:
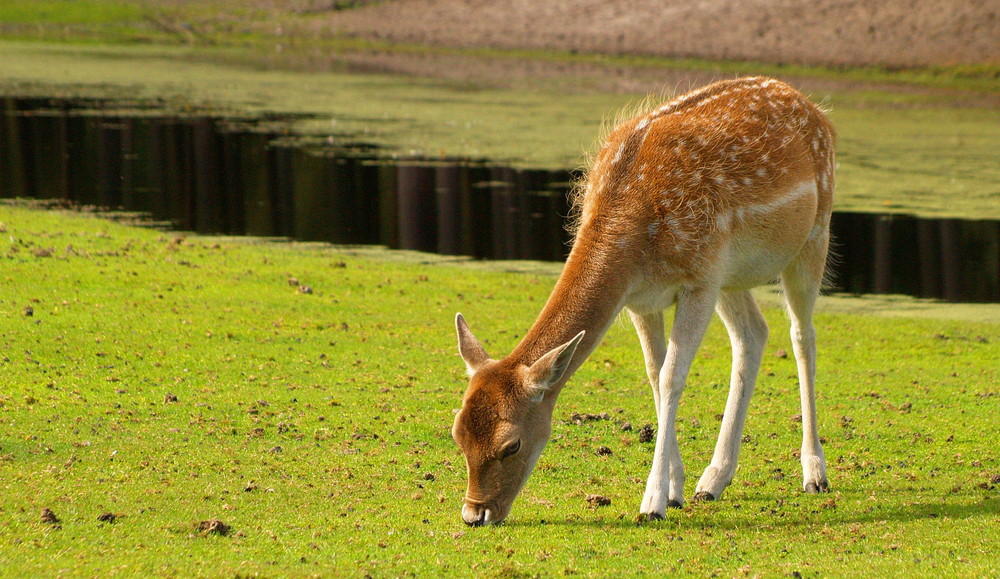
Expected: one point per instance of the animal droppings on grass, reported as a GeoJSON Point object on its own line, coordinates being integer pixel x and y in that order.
{"type": "Point", "coordinates": [781, 354]}
{"type": "Point", "coordinates": [293, 281]}
{"type": "Point", "coordinates": [646, 433]}
{"type": "Point", "coordinates": [28, 311]}
{"type": "Point", "coordinates": [598, 500]}
{"type": "Point", "coordinates": [213, 526]}
{"type": "Point", "coordinates": [169, 398]}
{"type": "Point", "coordinates": [604, 451]}
{"type": "Point", "coordinates": [304, 289]}
{"type": "Point", "coordinates": [107, 518]}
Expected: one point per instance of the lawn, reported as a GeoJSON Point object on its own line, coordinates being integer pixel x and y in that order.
{"type": "Point", "coordinates": [171, 380]}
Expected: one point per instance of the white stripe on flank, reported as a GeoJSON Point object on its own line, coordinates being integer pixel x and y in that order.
{"type": "Point", "coordinates": [803, 190]}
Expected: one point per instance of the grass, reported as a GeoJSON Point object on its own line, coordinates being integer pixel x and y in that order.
{"type": "Point", "coordinates": [315, 425]}
{"type": "Point", "coordinates": [62, 12]}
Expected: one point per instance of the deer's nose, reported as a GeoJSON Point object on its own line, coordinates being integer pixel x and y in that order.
{"type": "Point", "coordinates": [475, 515]}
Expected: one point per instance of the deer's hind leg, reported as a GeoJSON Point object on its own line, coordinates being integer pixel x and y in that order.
{"type": "Point", "coordinates": [801, 282]}
{"type": "Point", "coordinates": [748, 336]}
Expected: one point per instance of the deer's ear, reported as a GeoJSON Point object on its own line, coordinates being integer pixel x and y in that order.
{"type": "Point", "coordinates": [549, 369]}
{"type": "Point", "coordinates": [469, 347]}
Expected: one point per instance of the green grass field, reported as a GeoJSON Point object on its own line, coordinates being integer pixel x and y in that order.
{"type": "Point", "coordinates": [171, 380]}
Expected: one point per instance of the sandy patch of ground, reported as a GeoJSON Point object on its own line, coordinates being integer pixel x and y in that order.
{"type": "Point", "coordinates": [892, 33]}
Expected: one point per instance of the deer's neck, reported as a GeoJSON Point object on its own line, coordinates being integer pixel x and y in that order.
{"type": "Point", "coordinates": [588, 296]}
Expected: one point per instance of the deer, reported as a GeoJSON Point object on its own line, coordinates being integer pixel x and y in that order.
{"type": "Point", "coordinates": [688, 205]}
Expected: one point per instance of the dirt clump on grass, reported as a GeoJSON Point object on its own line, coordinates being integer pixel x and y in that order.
{"type": "Point", "coordinates": [213, 526]}
{"type": "Point", "coordinates": [598, 500]}
{"type": "Point", "coordinates": [49, 517]}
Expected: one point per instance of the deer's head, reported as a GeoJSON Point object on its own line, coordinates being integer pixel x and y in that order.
{"type": "Point", "coordinates": [504, 423]}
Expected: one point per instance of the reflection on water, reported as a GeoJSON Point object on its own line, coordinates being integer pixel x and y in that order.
{"type": "Point", "coordinates": [219, 175]}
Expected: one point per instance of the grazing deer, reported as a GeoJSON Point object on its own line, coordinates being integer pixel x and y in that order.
{"type": "Point", "coordinates": [691, 204]}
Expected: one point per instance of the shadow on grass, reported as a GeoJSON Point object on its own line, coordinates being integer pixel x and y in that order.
{"type": "Point", "coordinates": [812, 510]}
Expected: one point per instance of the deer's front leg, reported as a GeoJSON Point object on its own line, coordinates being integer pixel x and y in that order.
{"type": "Point", "coordinates": [665, 486]}
{"type": "Point", "coordinates": [649, 327]}
{"type": "Point", "coordinates": [748, 336]}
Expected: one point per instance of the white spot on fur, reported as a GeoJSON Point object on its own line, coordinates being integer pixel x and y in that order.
{"type": "Point", "coordinates": [724, 220]}
{"type": "Point", "coordinates": [618, 155]}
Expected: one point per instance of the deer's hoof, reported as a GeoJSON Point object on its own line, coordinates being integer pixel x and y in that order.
{"type": "Point", "coordinates": [821, 487]}
{"type": "Point", "coordinates": [674, 504]}
{"type": "Point", "coordinates": [703, 496]}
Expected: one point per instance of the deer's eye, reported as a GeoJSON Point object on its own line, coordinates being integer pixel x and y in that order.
{"type": "Point", "coordinates": [511, 449]}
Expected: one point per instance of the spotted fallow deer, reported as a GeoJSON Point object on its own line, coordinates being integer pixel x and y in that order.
{"type": "Point", "coordinates": [691, 204]}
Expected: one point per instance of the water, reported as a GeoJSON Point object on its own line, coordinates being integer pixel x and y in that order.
{"type": "Point", "coordinates": [241, 176]}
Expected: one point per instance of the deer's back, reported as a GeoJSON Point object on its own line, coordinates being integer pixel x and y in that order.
{"type": "Point", "coordinates": [734, 162]}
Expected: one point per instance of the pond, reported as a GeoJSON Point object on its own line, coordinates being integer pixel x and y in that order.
{"type": "Point", "coordinates": [246, 176]}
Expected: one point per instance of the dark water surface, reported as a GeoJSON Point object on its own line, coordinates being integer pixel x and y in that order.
{"type": "Point", "coordinates": [242, 176]}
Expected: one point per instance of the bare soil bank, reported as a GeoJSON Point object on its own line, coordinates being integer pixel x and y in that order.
{"type": "Point", "coordinates": [890, 33]}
